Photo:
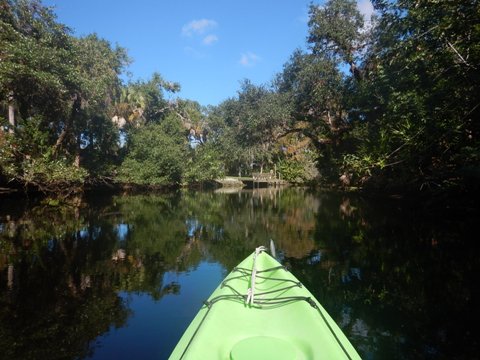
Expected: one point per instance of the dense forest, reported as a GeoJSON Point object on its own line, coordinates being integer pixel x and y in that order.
{"type": "Point", "coordinates": [390, 104]}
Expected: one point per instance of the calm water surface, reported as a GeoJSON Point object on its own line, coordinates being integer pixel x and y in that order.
{"type": "Point", "coordinates": [120, 277]}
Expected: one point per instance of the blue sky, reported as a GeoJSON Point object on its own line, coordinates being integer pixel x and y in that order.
{"type": "Point", "coordinates": [207, 46]}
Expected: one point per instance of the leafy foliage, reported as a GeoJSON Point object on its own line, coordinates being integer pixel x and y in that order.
{"type": "Point", "coordinates": [424, 83]}
{"type": "Point", "coordinates": [249, 127]}
{"type": "Point", "coordinates": [204, 165]}
{"type": "Point", "coordinates": [389, 102]}
{"type": "Point", "coordinates": [57, 89]}
{"type": "Point", "coordinates": [27, 157]}
{"type": "Point", "coordinates": [156, 155]}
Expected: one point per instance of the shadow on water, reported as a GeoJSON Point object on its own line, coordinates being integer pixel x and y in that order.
{"type": "Point", "coordinates": [122, 276]}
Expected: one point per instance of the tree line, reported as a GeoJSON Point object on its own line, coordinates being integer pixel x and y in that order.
{"type": "Point", "coordinates": [387, 103]}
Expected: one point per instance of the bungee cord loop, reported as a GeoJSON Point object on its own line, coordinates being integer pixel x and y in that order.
{"type": "Point", "coordinates": [251, 290]}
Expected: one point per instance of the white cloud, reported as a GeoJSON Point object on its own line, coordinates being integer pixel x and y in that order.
{"type": "Point", "coordinates": [198, 27]}
{"type": "Point", "coordinates": [366, 8]}
{"type": "Point", "coordinates": [210, 39]}
{"type": "Point", "coordinates": [249, 59]}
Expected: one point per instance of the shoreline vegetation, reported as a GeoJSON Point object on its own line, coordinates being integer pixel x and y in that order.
{"type": "Point", "coordinates": [387, 105]}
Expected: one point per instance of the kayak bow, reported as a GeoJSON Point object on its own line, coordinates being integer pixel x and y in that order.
{"type": "Point", "coordinates": [262, 311]}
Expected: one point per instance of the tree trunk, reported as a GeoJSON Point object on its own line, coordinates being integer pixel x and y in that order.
{"type": "Point", "coordinates": [11, 112]}
{"type": "Point", "coordinates": [67, 129]}
{"type": "Point", "coordinates": [60, 139]}
{"type": "Point", "coordinates": [76, 163]}
{"type": "Point", "coordinates": [10, 276]}
{"type": "Point", "coordinates": [77, 155]}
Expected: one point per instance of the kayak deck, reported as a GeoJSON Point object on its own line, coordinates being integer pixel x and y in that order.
{"type": "Point", "coordinates": [276, 318]}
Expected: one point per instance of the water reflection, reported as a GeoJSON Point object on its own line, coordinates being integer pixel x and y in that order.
{"type": "Point", "coordinates": [73, 278]}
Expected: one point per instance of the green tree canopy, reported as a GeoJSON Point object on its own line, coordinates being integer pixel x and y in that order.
{"type": "Point", "coordinates": [157, 154]}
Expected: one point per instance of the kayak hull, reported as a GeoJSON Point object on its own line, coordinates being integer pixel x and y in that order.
{"type": "Point", "coordinates": [282, 321]}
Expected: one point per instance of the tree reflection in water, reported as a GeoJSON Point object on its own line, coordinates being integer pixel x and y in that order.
{"type": "Point", "coordinates": [69, 276]}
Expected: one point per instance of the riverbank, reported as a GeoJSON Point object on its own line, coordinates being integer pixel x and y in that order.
{"type": "Point", "coordinates": [452, 202]}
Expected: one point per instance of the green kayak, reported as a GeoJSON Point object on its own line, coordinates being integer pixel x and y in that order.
{"type": "Point", "coordinates": [262, 311]}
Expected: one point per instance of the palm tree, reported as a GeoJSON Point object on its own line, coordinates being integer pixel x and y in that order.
{"type": "Point", "coordinates": [129, 109]}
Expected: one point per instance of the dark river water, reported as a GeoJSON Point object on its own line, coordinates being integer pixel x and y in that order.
{"type": "Point", "coordinates": [120, 277]}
